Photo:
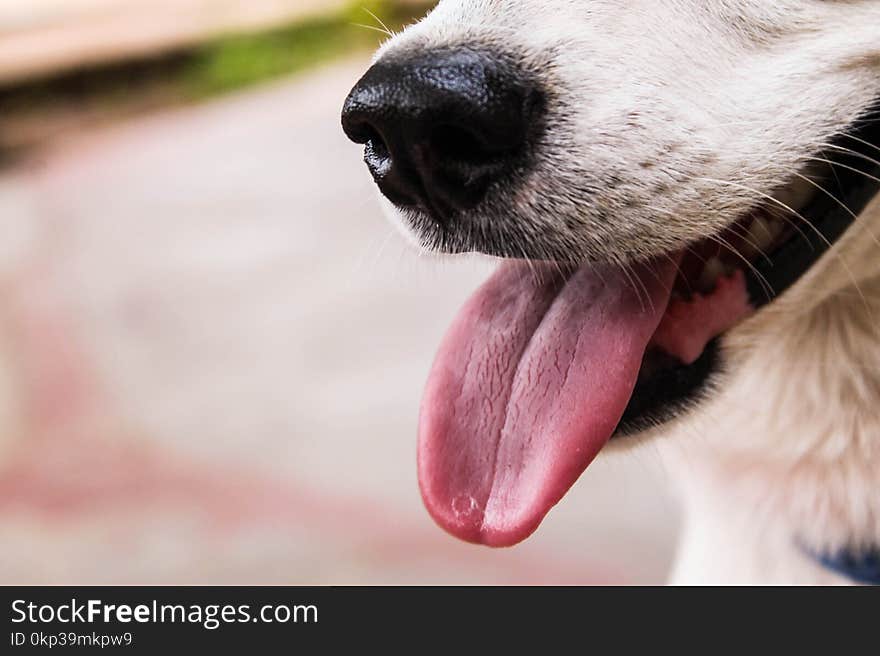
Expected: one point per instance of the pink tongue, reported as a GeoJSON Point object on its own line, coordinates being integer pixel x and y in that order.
{"type": "Point", "coordinates": [528, 385]}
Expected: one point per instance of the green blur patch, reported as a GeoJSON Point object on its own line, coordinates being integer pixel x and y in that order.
{"type": "Point", "coordinates": [238, 61]}
{"type": "Point", "coordinates": [35, 112]}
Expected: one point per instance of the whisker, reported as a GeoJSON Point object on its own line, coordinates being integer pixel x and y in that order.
{"type": "Point", "coordinates": [741, 232]}
{"type": "Point", "coordinates": [840, 257]}
{"type": "Point", "coordinates": [765, 284]}
{"type": "Point", "coordinates": [373, 28]}
{"type": "Point", "coordinates": [838, 201]}
{"type": "Point", "coordinates": [772, 199]}
{"type": "Point", "coordinates": [855, 153]}
{"type": "Point", "coordinates": [654, 275]}
{"type": "Point", "coordinates": [847, 167]}
{"type": "Point", "coordinates": [625, 268]}
{"type": "Point", "coordinates": [379, 20]}
{"type": "Point", "coordinates": [690, 251]}
{"type": "Point", "coordinates": [679, 272]}
{"type": "Point", "coordinates": [862, 141]}
{"type": "Point", "coordinates": [633, 277]}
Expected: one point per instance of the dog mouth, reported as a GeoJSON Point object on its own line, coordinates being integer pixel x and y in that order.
{"type": "Point", "coordinates": [720, 281]}
{"type": "Point", "coordinates": [547, 362]}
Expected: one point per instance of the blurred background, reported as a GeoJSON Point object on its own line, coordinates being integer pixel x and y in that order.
{"type": "Point", "coordinates": [212, 345]}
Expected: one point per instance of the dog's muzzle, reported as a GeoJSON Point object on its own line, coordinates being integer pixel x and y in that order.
{"type": "Point", "coordinates": [441, 127]}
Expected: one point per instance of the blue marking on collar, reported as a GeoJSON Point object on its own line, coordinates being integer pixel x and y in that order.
{"type": "Point", "coordinates": [860, 566]}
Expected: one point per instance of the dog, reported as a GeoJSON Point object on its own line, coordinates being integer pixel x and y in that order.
{"type": "Point", "coordinates": [684, 198]}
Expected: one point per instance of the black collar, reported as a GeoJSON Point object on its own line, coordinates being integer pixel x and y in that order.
{"type": "Point", "coordinates": [859, 565]}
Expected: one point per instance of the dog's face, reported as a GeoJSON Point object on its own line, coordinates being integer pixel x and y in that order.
{"type": "Point", "coordinates": [648, 125]}
{"type": "Point", "coordinates": [668, 164]}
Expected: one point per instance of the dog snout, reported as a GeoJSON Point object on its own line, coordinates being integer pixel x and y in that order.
{"type": "Point", "coordinates": [440, 128]}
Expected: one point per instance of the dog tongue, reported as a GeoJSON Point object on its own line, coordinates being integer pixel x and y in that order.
{"type": "Point", "coordinates": [528, 385]}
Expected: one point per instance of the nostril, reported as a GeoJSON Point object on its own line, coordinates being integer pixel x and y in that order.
{"type": "Point", "coordinates": [377, 155]}
{"type": "Point", "coordinates": [376, 144]}
{"type": "Point", "coordinates": [357, 129]}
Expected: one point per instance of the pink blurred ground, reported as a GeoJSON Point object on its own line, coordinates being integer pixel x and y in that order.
{"type": "Point", "coordinates": [212, 348]}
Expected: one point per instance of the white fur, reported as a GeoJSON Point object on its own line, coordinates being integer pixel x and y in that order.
{"type": "Point", "coordinates": [676, 115]}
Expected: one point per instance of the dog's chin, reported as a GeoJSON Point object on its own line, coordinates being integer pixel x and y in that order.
{"type": "Point", "coordinates": [763, 252]}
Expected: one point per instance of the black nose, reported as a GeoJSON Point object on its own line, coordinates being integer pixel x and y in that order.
{"type": "Point", "coordinates": [441, 127]}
